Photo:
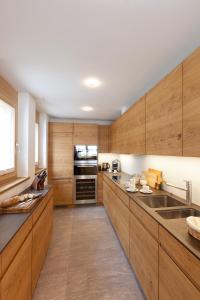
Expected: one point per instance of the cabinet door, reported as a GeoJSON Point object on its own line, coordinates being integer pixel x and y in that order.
{"type": "Point", "coordinates": [132, 125]}
{"type": "Point", "coordinates": [122, 223]}
{"type": "Point", "coordinates": [100, 188]}
{"type": "Point", "coordinates": [191, 105]}
{"type": "Point", "coordinates": [41, 238]}
{"type": "Point", "coordinates": [164, 116]}
{"type": "Point", "coordinates": [16, 282]}
{"type": "Point", "coordinates": [85, 134]}
{"type": "Point", "coordinates": [173, 284]}
{"type": "Point", "coordinates": [103, 139]}
{"type": "Point", "coordinates": [62, 191]}
{"type": "Point", "coordinates": [144, 258]}
{"type": "Point", "coordinates": [60, 155]}
{"type": "Point", "coordinates": [115, 134]}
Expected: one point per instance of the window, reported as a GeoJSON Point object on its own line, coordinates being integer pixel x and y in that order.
{"type": "Point", "coordinates": [36, 143]}
{"type": "Point", "coordinates": [7, 138]}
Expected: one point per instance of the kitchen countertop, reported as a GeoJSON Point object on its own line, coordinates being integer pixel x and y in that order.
{"type": "Point", "coordinates": [11, 223]}
{"type": "Point", "coordinates": [176, 227]}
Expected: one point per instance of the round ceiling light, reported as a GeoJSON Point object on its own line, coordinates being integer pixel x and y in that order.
{"type": "Point", "coordinates": [92, 82]}
{"type": "Point", "coordinates": [87, 108]}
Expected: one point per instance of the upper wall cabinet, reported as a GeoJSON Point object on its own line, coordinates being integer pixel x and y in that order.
{"type": "Point", "coordinates": [103, 132]}
{"type": "Point", "coordinates": [191, 105]}
{"type": "Point", "coordinates": [133, 129]}
{"type": "Point", "coordinates": [164, 116]}
{"type": "Point", "coordinates": [128, 131]}
{"type": "Point", "coordinates": [85, 134]}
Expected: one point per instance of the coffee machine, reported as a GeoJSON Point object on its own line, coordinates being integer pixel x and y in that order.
{"type": "Point", "coordinates": [116, 166]}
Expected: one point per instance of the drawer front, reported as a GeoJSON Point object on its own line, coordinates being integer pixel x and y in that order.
{"type": "Point", "coordinates": [12, 248]}
{"type": "Point", "coordinates": [147, 221]}
{"type": "Point", "coordinates": [122, 195]}
{"type": "Point", "coordinates": [187, 262]}
{"type": "Point", "coordinates": [16, 282]}
{"type": "Point", "coordinates": [173, 284]}
{"type": "Point", "coordinates": [39, 209]}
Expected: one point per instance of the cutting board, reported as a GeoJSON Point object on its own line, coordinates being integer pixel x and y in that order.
{"type": "Point", "coordinates": [154, 178]}
{"type": "Point", "coordinates": [20, 207]}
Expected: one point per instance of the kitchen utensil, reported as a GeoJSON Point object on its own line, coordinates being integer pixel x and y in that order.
{"type": "Point", "coordinates": [132, 190]}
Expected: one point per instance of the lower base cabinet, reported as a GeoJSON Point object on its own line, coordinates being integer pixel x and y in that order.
{"type": "Point", "coordinates": [41, 236]}
{"type": "Point", "coordinates": [144, 257]}
{"type": "Point", "coordinates": [62, 191]}
{"type": "Point", "coordinates": [24, 255]}
{"type": "Point", "coordinates": [173, 284]}
{"type": "Point", "coordinates": [16, 283]}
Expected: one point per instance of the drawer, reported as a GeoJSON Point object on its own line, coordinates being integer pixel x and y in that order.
{"type": "Point", "coordinates": [147, 221]}
{"type": "Point", "coordinates": [39, 209]}
{"type": "Point", "coordinates": [12, 248]}
{"type": "Point", "coordinates": [187, 262]}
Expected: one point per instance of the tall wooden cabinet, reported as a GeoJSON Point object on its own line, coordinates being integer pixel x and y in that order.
{"type": "Point", "coordinates": [164, 116]}
{"type": "Point", "coordinates": [60, 162]}
{"type": "Point", "coordinates": [191, 105]}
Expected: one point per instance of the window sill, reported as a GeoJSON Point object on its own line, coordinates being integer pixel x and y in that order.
{"type": "Point", "coordinates": [12, 183]}
{"type": "Point", "coordinates": [39, 170]}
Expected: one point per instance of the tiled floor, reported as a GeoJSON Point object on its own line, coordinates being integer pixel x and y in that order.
{"type": "Point", "coordinates": [85, 260]}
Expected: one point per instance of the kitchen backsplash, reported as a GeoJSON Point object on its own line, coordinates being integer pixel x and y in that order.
{"type": "Point", "coordinates": [175, 170]}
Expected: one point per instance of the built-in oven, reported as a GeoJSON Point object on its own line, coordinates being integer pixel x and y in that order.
{"type": "Point", "coordinates": [85, 189]}
{"type": "Point", "coordinates": [85, 153]}
{"type": "Point", "coordinates": [85, 174]}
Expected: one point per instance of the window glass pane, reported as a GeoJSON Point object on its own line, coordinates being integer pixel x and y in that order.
{"type": "Point", "coordinates": [36, 142]}
{"type": "Point", "coordinates": [7, 137]}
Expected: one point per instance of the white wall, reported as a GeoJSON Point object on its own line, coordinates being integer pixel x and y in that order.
{"type": "Point", "coordinates": [175, 170]}
{"type": "Point", "coordinates": [43, 140]}
{"type": "Point", "coordinates": [107, 157]}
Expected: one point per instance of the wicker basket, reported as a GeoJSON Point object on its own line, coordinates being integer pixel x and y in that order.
{"type": "Point", "coordinates": [194, 233]}
{"type": "Point", "coordinates": [191, 227]}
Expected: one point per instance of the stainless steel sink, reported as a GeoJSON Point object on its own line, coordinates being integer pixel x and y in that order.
{"type": "Point", "coordinates": [160, 201]}
{"type": "Point", "coordinates": [178, 213]}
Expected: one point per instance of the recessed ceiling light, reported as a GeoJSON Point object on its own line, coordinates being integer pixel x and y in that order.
{"type": "Point", "coordinates": [92, 82]}
{"type": "Point", "coordinates": [87, 108]}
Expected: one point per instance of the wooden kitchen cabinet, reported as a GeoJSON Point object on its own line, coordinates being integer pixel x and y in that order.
{"type": "Point", "coordinates": [164, 116]}
{"type": "Point", "coordinates": [173, 284]}
{"type": "Point", "coordinates": [115, 137]}
{"type": "Point", "coordinates": [60, 155]}
{"type": "Point", "coordinates": [191, 105]}
{"type": "Point", "coordinates": [144, 257]}
{"type": "Point", "coordinates": [100, 188]}
{"type": "Point", "coordinates": [62, 191]}
{"type": "Point", "coordinates": [103, 138]}
{"type": "Point", "coordinates": [16, 282]}
{"type": "Point", "coordinates": [132, 124]}
{"type": "Point", "coordinates": [118, 213]}
{"type": "Point", "coordinates": [60, 162]}
{"type": "Point", "coordinates": [85, 134]}
{"type": "Point", "coordinates": [40, 240]}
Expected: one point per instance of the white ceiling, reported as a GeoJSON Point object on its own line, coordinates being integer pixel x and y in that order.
{"type": "Point", "coordinates": [47, 47]}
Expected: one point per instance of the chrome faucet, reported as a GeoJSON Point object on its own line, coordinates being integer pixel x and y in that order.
{"type": "Point", "coordinates": [187, 189]}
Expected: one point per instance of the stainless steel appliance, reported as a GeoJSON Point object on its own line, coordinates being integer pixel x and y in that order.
{"type": "Point", "coordinates": [85, 174]}
{"type": "Point", "coordinates": [116, 165]}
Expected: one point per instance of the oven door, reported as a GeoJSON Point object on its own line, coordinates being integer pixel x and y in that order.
{"type": "Point", "coordinates": [85, 169]}
{"type": "Point", "coordinates": [85, 191]}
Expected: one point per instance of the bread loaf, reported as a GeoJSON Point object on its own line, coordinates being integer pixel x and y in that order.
{"type": "Point", "coordinates": [9, 202]}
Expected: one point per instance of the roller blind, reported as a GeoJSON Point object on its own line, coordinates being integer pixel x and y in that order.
{"type": "Point", "coordinates": [7, 138]}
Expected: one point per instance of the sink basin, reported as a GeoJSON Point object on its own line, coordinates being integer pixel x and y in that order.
{"type": "Point", "coordinates": [179, 213]}
{"type": "Point", "coordinates": [160, 201]}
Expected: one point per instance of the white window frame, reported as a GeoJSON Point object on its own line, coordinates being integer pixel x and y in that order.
{"type": "Point", "coordinates": [11, 170]}
{"type": "Point", "coordinates": [37, 162]}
